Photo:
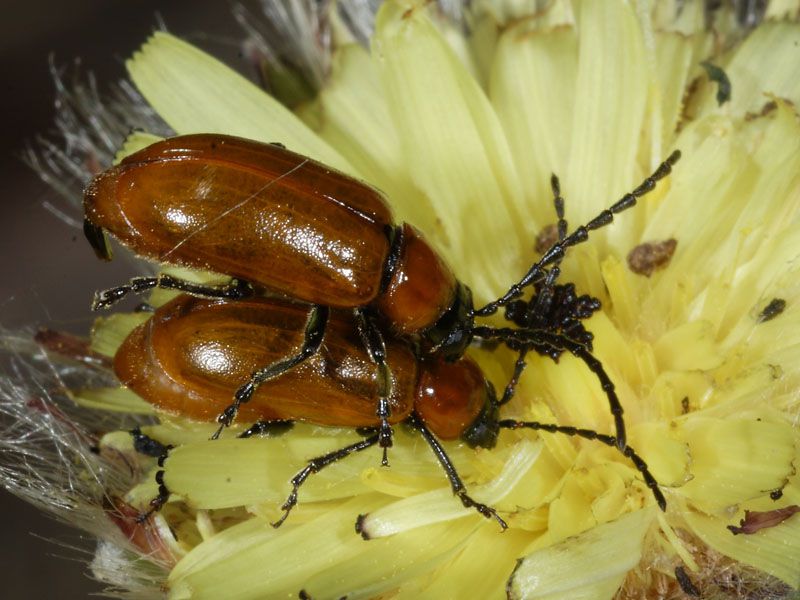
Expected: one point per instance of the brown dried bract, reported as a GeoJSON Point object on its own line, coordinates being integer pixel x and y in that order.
{"type": "Point", "coordinates": [143, 536]}
{"type": "Point", "coordinates": [649, 257]}
{"type": "Point", "coordinates": [757, 520]}
{"type": "Point", "coordinates": [70, 346]}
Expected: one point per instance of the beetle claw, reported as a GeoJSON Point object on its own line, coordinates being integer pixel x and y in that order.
{"type": "Point", "coordinates": [483, 509]}
{"type": "Point", "coordinates": [385, 441]}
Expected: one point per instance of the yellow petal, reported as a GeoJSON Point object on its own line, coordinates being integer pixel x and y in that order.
{"type": "Point", "coordinates": [441, 505]}
{"type": "Point", "coordinates": [138, 140]}
{"type": "Point", "coordinates": [479, 570]}
{"type": "Point", "coordinates": [355, 118]}
{"type": "Point", "coordinates": [195, 93]}
{"type": "Point", "coordinates": [386, 564]}
{"type": "Point", "coordinates": [610, 99]}
{"type": "Point", "coordinates": [453, 145]}
{"type": "Point", "coordinates": [688, 346]}
{"type": "Point", "coordinates": [589, 566]}
{"type": "Point", "coordinates": [112, 398]}
{"type": "Point", "coordinates": [736, 460]}
{"type": "Point", "coordinates": [253, 560]}
{"type": "Point", "coordinates": [231, 472]}
{"type": "Point", "coordinates": [765, 63]}
{"type": "Point", "coordinates": [109, 332]}
{"type": "Point", "coordinates": [533, 91]}
{"type": "Point", "coordinates": [773, 550]}
{"type": "Point", "coordinates": [674, 62]}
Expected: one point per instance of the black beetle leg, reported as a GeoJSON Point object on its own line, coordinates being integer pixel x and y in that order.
{"type": "Point", "coordinates": [556, 252]}
{"type": "Point", "coordinates": [452, 475]}
{"type": "Point", "coordinates": [234, 290]}
{"type": "Point", "coordinates": [315, 465]}
{"type": "Point", "coordinates": [312, 340]}
{"type": "Point", "coordinates": [590, 434]}
{"type": "Point", "coordinates": [146, 445]}
{"type": "Point", "coordinates": [376, 348]}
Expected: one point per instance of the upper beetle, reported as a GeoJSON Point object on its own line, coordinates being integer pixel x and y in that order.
{"type": "Point", "coordinates": [280, 220]}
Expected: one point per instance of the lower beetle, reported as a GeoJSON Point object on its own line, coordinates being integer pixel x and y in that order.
{"type": "Point", "coordinates": [192, 353]}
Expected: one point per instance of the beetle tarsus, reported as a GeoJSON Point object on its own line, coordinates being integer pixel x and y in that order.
{"type": "Point", "coordinates": [227, 416]}
{"type": "Point", "coordinates": [162, 497]}
{"type": "Point", "coordinates": [315, 465]}
{"type": "Point", "coordinates": [486, 511]}
{"type": "Point", "coordinates": [287, 507]}
{"type": "Point", "coordinates": [314, 333]}
{"type": "Point", "coordinates": [608, 440]}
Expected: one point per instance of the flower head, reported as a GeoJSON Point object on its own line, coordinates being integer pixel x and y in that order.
{"type": "Point", "coordinates": [697, 286]}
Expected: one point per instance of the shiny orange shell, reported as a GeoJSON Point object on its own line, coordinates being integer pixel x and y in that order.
{"type": "Point", "coordinates": [250, 210]}
{"type": "Point", "coordinates": [192, 355]}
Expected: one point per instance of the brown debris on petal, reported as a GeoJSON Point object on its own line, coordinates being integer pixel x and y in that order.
{"type": "Point", "coordinates": [775, 307]}
{"type": "Point", "coordinates": [546, 238]}
{"type": "Point", "coordinates": [719, 76]}
{"type": "Point", "coordinates": [649, 257]}
{"type": "Point", "coordinates": [687, 585]}
{"type": "Point", "coordinates": [757, 520]}
{"type": "Point", "coordinates": [765, 110]}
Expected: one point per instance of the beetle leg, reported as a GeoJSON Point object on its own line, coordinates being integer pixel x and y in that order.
{"type": "Point", "coordinates": [511, 387]}
{"type": "Point", "coordinates": [272, 428]}
{"type": "Point", "coordinates": [544, 298]}
{"type": "Point", "coordinates": [552, 344]}
{"type": "Point", "coordinates": [146, 445]}
{"type": "Point", "coordinates": [590, 434]}
{"type": "Point", "coordinates": [315, 465]}
{"type": "Point", "coordinates": [372, 339]}
{"type": "Point", "coordinates": [234, 290]}
{"type": "Point", "coordinates": [312, 339]}
{"type": "Point", "coordinates": [595, 366]}
{"type": "Point", "coordinates": [556, 252]}
{"type": "Point", "coordinates": [452, 475]}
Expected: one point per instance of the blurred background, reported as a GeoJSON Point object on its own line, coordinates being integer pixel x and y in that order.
{"type": "Point", "coordinates": [48, 270]}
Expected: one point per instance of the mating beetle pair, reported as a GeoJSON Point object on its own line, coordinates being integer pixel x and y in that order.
{"type": "Point", "coordinates": [279, 222]}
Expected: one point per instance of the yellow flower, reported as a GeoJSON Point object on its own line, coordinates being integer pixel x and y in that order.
{"type": "Point", "coordinates": [462, 132]}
